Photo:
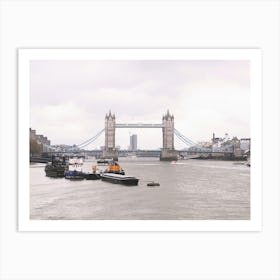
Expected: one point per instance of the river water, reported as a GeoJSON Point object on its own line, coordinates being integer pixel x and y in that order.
{"type": "Point", "coordinates": [189, 190]}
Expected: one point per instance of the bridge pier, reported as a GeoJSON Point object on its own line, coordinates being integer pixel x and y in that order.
{"type": "Point", "coordinates": [111, 154]}
{"type": "Point", "coordinates": [168, 155]}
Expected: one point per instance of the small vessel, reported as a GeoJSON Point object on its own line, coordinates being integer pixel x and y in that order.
{"type": "Point", "coordinates": [57, 167]}
{"type": "Point", "coordinates": [153, 184]}
{"type": "Point", "coordinates": [75, 169]}
{"type": "Point", "coordinates": [74, 175]}
{"type": "Point", "coordinates": [94, 175]}
{"type": "Point", "coordinates": [103, 161]}
{"type": "Point", "coordinates": [119, 179]}
{"type": "Point", "coordinates": [247, 154]}
{"type": "Point", "coordinates": [115, 168]}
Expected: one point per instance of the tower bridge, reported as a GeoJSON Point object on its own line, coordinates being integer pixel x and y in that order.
{"type": "Point", "coordinates": [168, 151]}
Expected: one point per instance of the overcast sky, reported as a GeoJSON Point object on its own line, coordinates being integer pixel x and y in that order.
{"type": "Point", "coordinates": [69, 99]}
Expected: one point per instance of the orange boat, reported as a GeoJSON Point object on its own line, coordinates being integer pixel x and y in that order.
{"type": "Point", "coordinates": [115, 168]}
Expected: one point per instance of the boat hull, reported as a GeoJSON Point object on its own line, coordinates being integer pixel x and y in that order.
{"type": "Point", "coordinates": [74, 175]}
{"type": "Point", "coordinates": [55, 173]}
{"type": "Point", "coordinates": [153, 185]}
{"type": "Point", "coordinates": [120, 179]}
{"type": "Point", "coordinates": [52, 171]}
{"type": "Point", "coordinates": [92, 176]}
{"type": "Point", "coordinates": [114, 172]}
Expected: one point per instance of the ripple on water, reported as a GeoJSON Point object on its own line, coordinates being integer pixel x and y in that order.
{"type": "Point", "coordinates": [189, 189]}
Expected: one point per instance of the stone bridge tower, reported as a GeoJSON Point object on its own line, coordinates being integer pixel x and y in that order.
{"type": "Point", "coordinates": [110, 132]}
{"type": "Point", "coordinates": [168, 152]}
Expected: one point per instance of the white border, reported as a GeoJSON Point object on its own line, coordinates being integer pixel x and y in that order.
{"type": "Point", "coordinates": [24, 58]}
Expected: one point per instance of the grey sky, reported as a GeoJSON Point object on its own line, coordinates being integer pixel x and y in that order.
{"type": "Point", "coordinates": [69, 99]}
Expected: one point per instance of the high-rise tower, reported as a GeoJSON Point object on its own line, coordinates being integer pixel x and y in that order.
{"type": "Point", "coordinates": [133, 142]}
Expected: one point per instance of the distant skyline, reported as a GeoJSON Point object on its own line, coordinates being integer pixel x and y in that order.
{"type": "Point", "coordinates": [69, 99]}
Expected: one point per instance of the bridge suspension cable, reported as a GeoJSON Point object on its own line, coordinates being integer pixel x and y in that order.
{"type": "Point", "coordinates": [184, 139]}
{"type": "Point", "coordinates": [179, 135]}
{"type": "Point", "coordinates": [91, 140]}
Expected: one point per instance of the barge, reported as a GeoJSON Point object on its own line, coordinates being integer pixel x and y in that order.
{"type": "Point", "coordinates": [119, 179]}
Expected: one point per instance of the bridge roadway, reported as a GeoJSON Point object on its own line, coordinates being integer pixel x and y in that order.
{"type": "Point", "coordinates": [139, 125]}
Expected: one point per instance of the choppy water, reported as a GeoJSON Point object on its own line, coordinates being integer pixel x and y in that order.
{"type": "Point", "coordinates": [190, 189]}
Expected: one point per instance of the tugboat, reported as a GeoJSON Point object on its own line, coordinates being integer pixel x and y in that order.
{"type": "Point", "coordinates": [75, 169]}
{"type": "Point", "coordinates": [119, 179]}
{"type": "Point", "coordinates": [57, 167]}
{"type": "Point", "coordinates": [94, 175]}
{"type": "Point", "coordinates": [114, 168]}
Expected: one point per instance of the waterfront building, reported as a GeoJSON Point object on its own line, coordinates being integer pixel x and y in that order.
{"type": "Point", "coordinates": [245, 144]}
{"type": "Point", "coordinates": [41, 142]}
{"type": "Point", "coordinates": [32, 134]}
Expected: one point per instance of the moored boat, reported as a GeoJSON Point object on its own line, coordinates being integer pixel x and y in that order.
{"type": "Point", "coordinates": [94, 175]}
{"type": "Point", "coordinates": [75, 169]}
{"type": "Point", "coordinates": [153, 184]}
{"type": "Point", "coordinates": [75, 175]}
{"type": "Point", "coordinates": [119, 179]}
{"type": "Point", "coordinates": [114, 168]}
{"type": "Point", "coordinates": [103, 161]}
{"type": "Point", "coordinates": [57, 167]}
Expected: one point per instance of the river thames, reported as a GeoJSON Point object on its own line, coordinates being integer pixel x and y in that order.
{"type": "Point", "coordinates": [189, 190]}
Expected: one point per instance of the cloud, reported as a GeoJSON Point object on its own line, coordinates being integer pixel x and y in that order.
{"type": "Point", "coordinates": [69, 99]}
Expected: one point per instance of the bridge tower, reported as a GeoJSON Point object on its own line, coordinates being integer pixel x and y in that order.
{"type": "Point", "coordinates": [110, 132]}
{"type": "Point", "coordinates": [168, 152]}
